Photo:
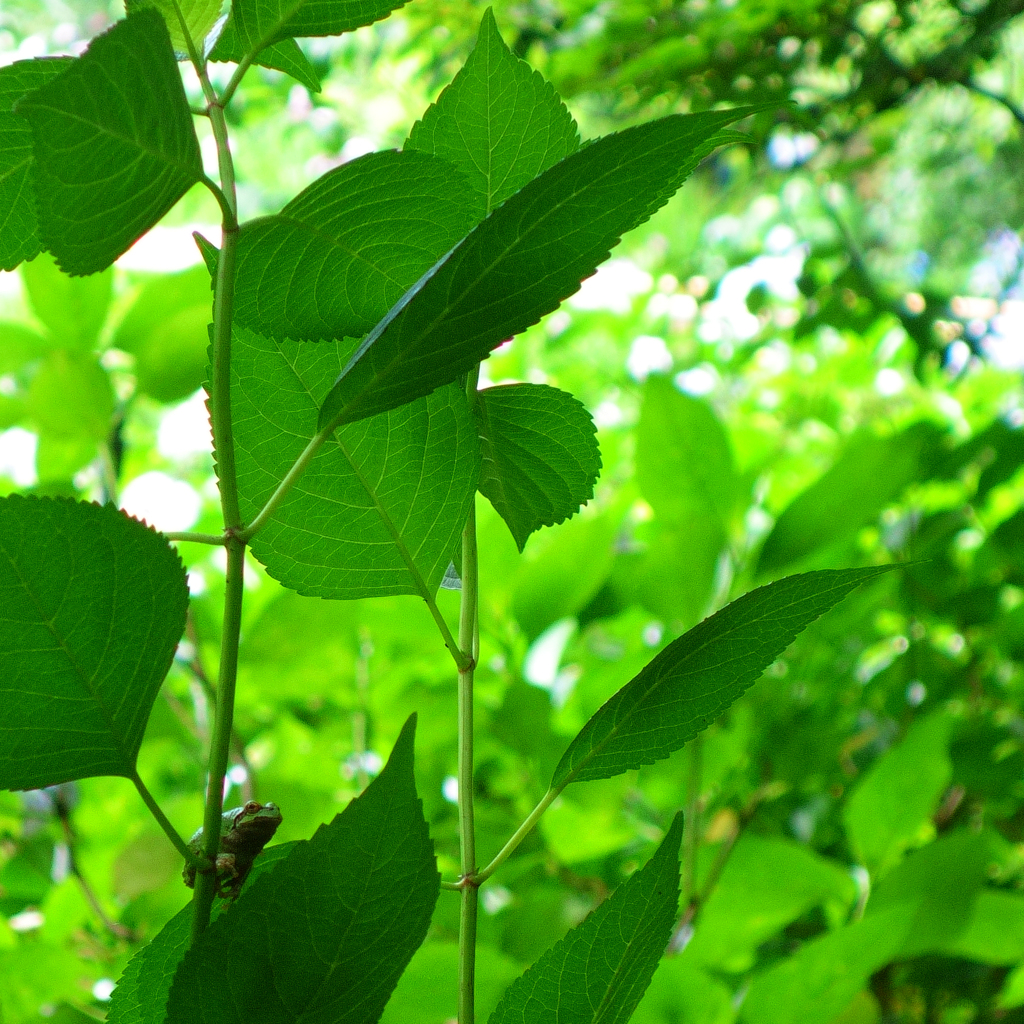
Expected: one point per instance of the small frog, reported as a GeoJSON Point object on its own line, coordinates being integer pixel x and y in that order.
{"type": "Point", "coordinates": [244, 831]}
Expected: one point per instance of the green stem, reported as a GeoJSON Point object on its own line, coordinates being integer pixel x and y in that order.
{"type": "Point", "coordinates": [691, 823]}
{"type": "Point", "coordinates": [161, 819]}
{"type": "Point", "coordinates": [198, 538]}
{"type": "Point", "coordinates": [469, 648]}
{"type": "Point", "coordinates": [520, 834]}
{"type": "Point", "coordinates": [221, 742]}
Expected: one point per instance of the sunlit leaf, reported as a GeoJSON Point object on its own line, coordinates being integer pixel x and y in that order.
{"type": "Point", "coordinates": [539, 455]}
{"type": "Point", "coordinates": [114, 144]}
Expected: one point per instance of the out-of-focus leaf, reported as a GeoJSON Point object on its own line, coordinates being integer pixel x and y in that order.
{"type": "Point", "coordinates": [166, 330]}
{"type": "Point", "coordinates": [498, 121]}
{"type": "Point", "coordinates": [114, 144]}
{"type": "Point", "coordinates": [564, 572]}
{"type": "Point", "coordinates": [683, 994]}
{"type": "Point", "coordinates": [73, 309]}
{"type": "Point", "coordinates": [382, 502]}
{"type": "Point", "coordinates": [994, 933]}
{"type": "Point", "coordinates": [70, 397]}
{"type": "Point", "coordinates": [601, 969]}
{"type": "Point", "coordinates": [887, 810]}
{"type": "Point", "coordinates": [19, 346]}
{"type": "Point", "coordinates": [521, 262]}
{"type": "Point", "coordinates": [93, 605]}
{"type": "Point", "coordinates": [284, 953]}
{"type": "Point", "coordinates": [690, 683]}
{"type": "Point", "coordinates": [19, 238]}
{"type": "Point", "coordinates": [539, 457]}
{"type": "Point", "coordinates": [766, 884]}
{"type": "Point", "coordinates": [332, 262]}
{"type": "Point", "coordinates": [869, 474]}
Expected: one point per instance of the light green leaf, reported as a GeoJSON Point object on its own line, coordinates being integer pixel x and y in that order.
{"type": "Point", "coordinates": [19, 238]}
{"type": "Point", "coordinates": [685, 469]}
{"type": "Point", "coordinates": [262, 22]}
{"type": "Point", "coordinates": [599, 972]}
{"type": "Point", "coordinates": [380, 507]}
{"type": "Point", "coordinates": [767, 883]}
{"type": "Point", "coordinates": [72, 309]}
{"type": "Point", "coordinates": [1012, 992]}
{"type": "Point", "coordinates": [285, 56]}
{"type": "Point", "coordinates": [60, 457]}
{"type": "Point", "coordinates": [345, 249]}
{"type": "Point", "coordinates": [19, 346]}
{"type": "Point", "coordinates": [521, 262]}
{"type": "Point", "coordinates": [70, 397]}
{"type": "Point", "coordinates": [870, 474]}
{"type": "Point", "coordinates": [564, 571]}
{"type": "Point", "coordinates": [994, 933]}
{"type": "Point", "coordinates": [682, 994]}
{"type": "Point", "coordinates": [199, 15]}
{"type": "Point", "coordinates": [896, 798]}
{"type": "Point", "coordinates": [92, 606]}
{"type": "Point", "coordinates": [498, 121]}
{"type": "Point", "coordinates": [328, 932]}
{"type": "Point", "coordinates": [166, 330]}
{"type": "Point", "coordinates": [539, 455]}
{"type": "Point", "coordinates": [114, 144]}
{"type": "Point", "coordinates": [690, 683]}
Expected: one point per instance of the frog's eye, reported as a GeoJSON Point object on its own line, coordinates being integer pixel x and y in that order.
{"type": "Point", "coordinates": [252, 807]}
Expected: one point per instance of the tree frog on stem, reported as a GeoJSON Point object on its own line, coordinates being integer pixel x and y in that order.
{"type": "Point", "coordinates": [244, 831]}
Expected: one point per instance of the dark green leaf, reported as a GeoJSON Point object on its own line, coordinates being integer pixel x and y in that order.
{"type": "Point", "coordinates": [885, 813]}
{"type": "Point", "coordinates": [73, 310]}
{"type": "Point", "coordinates": [380, 507]}
{"type": "Point", "coordinates": [870, 474]}
{"type": "Point", "coordinates": [166, 330]}
{"type": "Point", "coordinates": [521, 262]}
{"type": "Point", "coordinates": [345, 249]}
{"type": "Point", "coordinates": [19, 238]}
{"type": "Point", "coordinates": [601, 969]}
{"type": "Point", "coordinates": [690, 683]}
{"type": "Point", "coordinates": [539, 457]}
{"type": "Point", "coordinates": [262, 22]}
{"type": "Point", "coordinates": [114, 144]}
{"type": "Point", "coordinates": [93, 605]}
{"type": "Point", "coordinates": [327, 933]}
{"type": "Point", "coordinates": [208, 251]}
{"type": "Point", "coordinates": [283, 56]}
{"type": "Point", "coordinates": [498, 121]}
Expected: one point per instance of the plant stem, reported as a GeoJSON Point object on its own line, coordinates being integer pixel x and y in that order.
{"type": "Point", "coordinates": [161, 819]}
{"type": "Point", "coordinates": [520, 834]}
{"type": "Point", "coordinates": [469, 646]}
{"type": "Point", "coordinates": [221, 742]}
{"type": "Point", "coordinates": [691, 823]}
{"type": "Point", "coordinates": [198, 538]}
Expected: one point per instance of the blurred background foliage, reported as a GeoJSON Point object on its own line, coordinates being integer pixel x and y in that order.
{"type": "Point", "coordinates": [810, 358]}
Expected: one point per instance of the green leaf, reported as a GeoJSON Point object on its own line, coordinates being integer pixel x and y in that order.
{"type": "Point", "coordinates": [262, 22]}
{"type": "Point", "coordinates": [896, 798]}
{"type": "Point", "coordinates": [283, 56]}
{"type": "Point", "coordinates": [93, 605]}
{"type": "Point", "coordinates": [521, 262]}
{"type": "Point", "coordinates": [690, 683]}
{"type": "Point", "coordinates": [870, 474]}
{"type": "Point", "coordinates": [114, 144]}
{"type": "Point", "coordinates": [766, 884]}
{"type": "Point", "coordinates": [143, 988]}
{"type": "Point", "coordinates": [601, 969]}
{"type": "Point", "coordinates": [73, 310]}
{"type": "Point", "coordinates": [994, 933]}
{"type": "Point", "coordinates": [682, 994]}
{"type": "Point", "coordinates": [19, 238]}
{"type": "Point", "coordinates": [166, 330]}
{"type": "Point", "coordinates": [381, 504]}
{"type": "Point", "coordinates": [330, 264]}
{"type": "Point", "coordinates": [539, 457]}
{"type": "Point", "coordinates": [19, 346]}
{"type": "Point", "coordinates": [200, 16]}
{"type": "Point", "coordinates": [328, 932]}
{"type": "Point", "coordinates": [686, 473]}
{"type": "Point", "coordinates": [70, 397]}
{"type": "Point", "coordinates": [498, 121]}
{"type": "Point", "coordinates": [59, 456]}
